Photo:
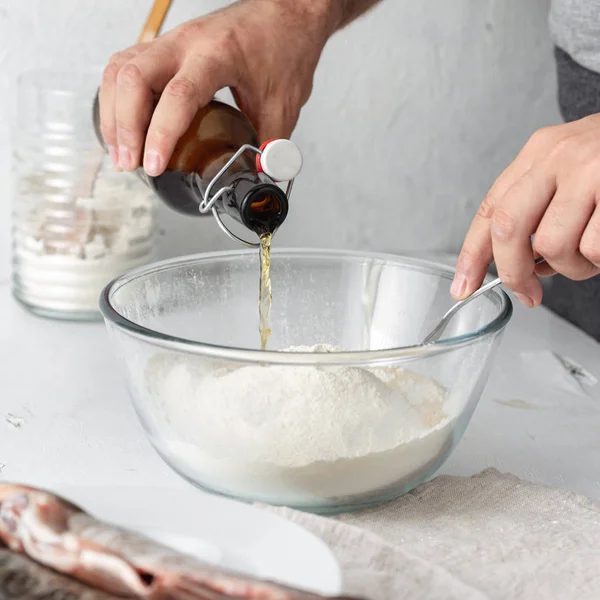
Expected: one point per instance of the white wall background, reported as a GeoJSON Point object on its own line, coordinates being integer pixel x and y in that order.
{"type": "Point", "coordinates": [416, 108]}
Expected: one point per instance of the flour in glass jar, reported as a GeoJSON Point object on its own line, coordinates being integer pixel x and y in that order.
{"type": "Point", "coordinates": [277, 432]}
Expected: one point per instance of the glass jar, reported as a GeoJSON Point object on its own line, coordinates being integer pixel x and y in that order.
{"type": "Point", "coordinates": [76, 222]}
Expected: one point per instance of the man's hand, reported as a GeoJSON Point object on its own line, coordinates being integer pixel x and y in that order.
{"type": "Point", "coordinates": [265, 50]}
{"type": "Point", "coordinates": [552, 192]}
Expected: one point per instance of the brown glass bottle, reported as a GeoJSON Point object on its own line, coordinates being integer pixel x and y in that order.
{"type": "Point", "coordinates": [217, 132]}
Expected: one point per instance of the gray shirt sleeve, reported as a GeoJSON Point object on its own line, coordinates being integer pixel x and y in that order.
{"type": "Point", "coordinates": [575, 27]}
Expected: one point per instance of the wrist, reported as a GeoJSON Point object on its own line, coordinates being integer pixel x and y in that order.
{"type": "Point", "coordinates": [340, 13]}
{"type": "Point", "coordinates": [327, 13]}
{"type": "Point", "coordinates": [324, 16]}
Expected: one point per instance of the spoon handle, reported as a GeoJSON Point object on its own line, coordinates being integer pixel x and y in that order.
{"type": "Point", "coordinates": [437, 331]}
{"type": "Point", "coordinates": [154, 21]}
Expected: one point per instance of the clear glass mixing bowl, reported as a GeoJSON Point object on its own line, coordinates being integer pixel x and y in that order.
{"type": "Point", "coordinates": [323, 432]}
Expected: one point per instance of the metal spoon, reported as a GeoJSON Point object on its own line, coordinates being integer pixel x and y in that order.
{"type": "Point", "coordinates": [437, 331]}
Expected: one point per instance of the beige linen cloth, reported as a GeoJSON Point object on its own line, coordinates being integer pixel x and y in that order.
{"type": "Point", "coordinates": [487, 537]}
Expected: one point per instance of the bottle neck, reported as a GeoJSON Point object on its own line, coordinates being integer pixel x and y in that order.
{"type": "Point", "coordinates": [252, 198]}
{"type": "Point", "coordinates": [255, 201]}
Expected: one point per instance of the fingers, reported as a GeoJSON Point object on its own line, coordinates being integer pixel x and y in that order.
{"type": "Point", "coordinates": [133, 108]}
{"type": "Point", "coordinates": [477, 252]}
{"type": "Point", "coordinates": [130, 123]}
{"type": "Point", "coordinates": [590, 240]}
{"type": "Point", "coordinates": [193, 86]}
{"type": "Point", "coordinates": [106, 98]}
{"type": "Point", "coordinates": [549, 192]}
{"type": "Point", "coordinates": [559, 234]}
{"type": "Point", "coordinates": [134, 100]}
{"type": "Point", "coordinates": [515, 220]}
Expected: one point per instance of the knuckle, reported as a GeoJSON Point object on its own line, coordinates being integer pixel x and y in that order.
{"type": "Point", "coordinates": [125, 129]}
{"type": "Point", "coordinates": [504, 225]}
{"type": "Point", "coordinates": [123, 56]}
{"type": "Point", "coordinates": [486, 208]}
{"type": "Point", "coordinates": [225, 42]}
{"type": "Point", "coordinates": [130, 76]}
{"type": "Point", "coordinates": [593, 228]}
{"type": "Point", "coordinates": [591, 250]}
{"type": "Point", "coordinates": [211, 65]}
{"type": "Point", "coordinates": [182, 88]}
{"type": "Point", "coordinates": [550, 246]}
{"type": "Point", "coordinates": [115, 58]}
{"type": "Point", "coordinates": [191, 28]}
{"type": "Point", "coordinates": [541, 137]}
{"type": "Point", "coordinates": [109, 74]}
{"type": "Point", "coordinates": [130, 138]}
{"type": "Point", "coordinates": [221, 37]}
{"type": "Point", "coordinates": [159, 136]}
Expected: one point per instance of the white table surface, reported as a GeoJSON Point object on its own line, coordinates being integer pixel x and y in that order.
{"type": "Point", "coordinates": [65, 417]}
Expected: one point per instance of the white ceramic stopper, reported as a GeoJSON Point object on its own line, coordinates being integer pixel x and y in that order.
{"type": "Point", "coordinates": [281, 160]}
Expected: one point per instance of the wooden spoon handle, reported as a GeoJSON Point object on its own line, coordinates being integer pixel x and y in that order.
{"type": "Point", "coordinates": [155, 20]}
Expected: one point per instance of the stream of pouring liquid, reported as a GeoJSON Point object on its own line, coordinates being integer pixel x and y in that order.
{"type": "Point", "coordinates": [265, 294]}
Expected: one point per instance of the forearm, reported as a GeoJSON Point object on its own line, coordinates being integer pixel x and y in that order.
{"type": "Point", "coordinates": [343, 12]}
{"type": "Point", "coordinates": [332, 14]}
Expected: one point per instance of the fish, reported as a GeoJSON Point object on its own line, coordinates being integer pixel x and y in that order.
{"type": "Point", "coordinates": [60, 536]}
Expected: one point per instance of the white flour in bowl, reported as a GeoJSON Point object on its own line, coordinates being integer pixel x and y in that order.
{"type": "Point", "coordinates": [296, 434]}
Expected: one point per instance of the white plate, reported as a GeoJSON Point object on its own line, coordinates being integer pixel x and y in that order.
{"type": "Point", "coordinates": [217, 530]}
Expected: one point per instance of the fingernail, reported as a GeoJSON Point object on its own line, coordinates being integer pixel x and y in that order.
{"type": "Point", "coordinates": [125, 158]}
{"type": "Point", "coordinates": [152, 163]}
{"type": "Point", "coordinates": [114, 155]}
{"type": "Point", "coordinates": [458, 285]}
{"type": "Point", "coordinates": [524, 299]}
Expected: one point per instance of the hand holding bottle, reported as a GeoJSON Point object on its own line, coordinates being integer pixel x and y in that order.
{"type": "Point", "coordinates": [266, 51]}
